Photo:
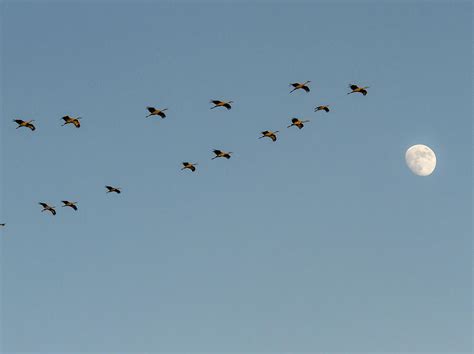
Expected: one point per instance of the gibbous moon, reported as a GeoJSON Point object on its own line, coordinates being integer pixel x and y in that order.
{"type": "Point", "coordinates": [421, 160]}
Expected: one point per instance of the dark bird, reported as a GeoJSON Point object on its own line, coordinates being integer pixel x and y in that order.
{"type": "Point", "coordinates": [27, 124]}
{"type": "Point", "coordinates": [46, 207]}
{"type": "Point", "coordinates": [297, 86]}
{"type": "Point", "coordinates": [2, 225]}
{"type": "Point", "coordinates": [218, 103]}
{"type": "Point", "coordinates": [71, 120]}
{"type": "Point", "coordinates": [356, 89]}
{"type": "Point", "coordinates": [321, 108]}
{"type": "Point", "coordinates": [69, 204]}
{"type": "Point", "coordinates": [269, 134]}
{"type": "Point", "coordinates": [156, 112]}
{"type": "Point", "coordinates": [297, 123]}
{"type": "Point", "coordinates": [111, 189]}
{"type": "Point", "coordinates": [189, 165]}
{"type": "Point", "coordinates": [220, 153]}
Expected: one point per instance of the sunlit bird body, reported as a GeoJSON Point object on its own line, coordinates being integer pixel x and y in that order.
{"type": "Point", "coordinates": [269, 134]}
{"type": "Point", "coordinates": [297, 123]}
{"type": "Point", "coordinates": [298, 86]}
{"type": "Point", "coordinates": [26, 124]}
{"type": "Point", "coordinates": [220, 153]}
{"type": "Point", "coordinates": [72, 120]}
{"type": "Point", "coordinates": [357, 89]}
{"type": "Point", "coordinates": [156, 112]}
{"type": "Point", "coordinates": [69, 204]}
{"type": "Point", "coordinates": [218, 103]}
{"type": "Point", "coordinates": [47, 207]}
{"type": "Point", "coordinates": [189, 166]}
{"type": "Point", "coordinates": [111, 189]}
{"type": "Point", "coordinates": [321, 108]}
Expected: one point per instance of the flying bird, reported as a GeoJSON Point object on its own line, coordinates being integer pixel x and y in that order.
{"type": "Point", "coordinates": [297, 123]}
{"type": "Point", "coordinates": [156, 112]}
{"type": "Point", "coordinates": [218, 103]}
{"type": "Point", "coordinates": [2, 225]}
{"type": "Point", "coordinates": [69, 204]}
{"type": "Point", "coordinates": [321, 108]}
{"type": "Point", "coordinates": [189, 165]}
{"type": "Point", "coordinates": [71, 120]}
{"type": "Point", "coordinates": [269, 134]}
{"type": "Point", "coordinates": [111, 189]}
{"type": "Point", "coordinates": [27, 124]}
{"type": "Point", "coordinates": [46, 207]}
{"type": "Point", "coordinates": [356, 89]}
{"type": "Point", "coordinates": [220, 153]}
{"type": "Point", "coordinates": [297, 86]}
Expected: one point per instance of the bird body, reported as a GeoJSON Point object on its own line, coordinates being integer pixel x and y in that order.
{"type": "Point", "coordinates": [71, 120]}
{"type": "Point", "coordinates": [111, 189]}
{"type": "Point", "coordinates": [47, 207]}
{"type": "Point", "coordinates": [189, 165]}
{"type": "Point", "coordinates": [297, 123]}
{"type": "Point", "coordinates": [321, 108]}
{"type": "Point", "coordinates": [69, 204]}
{"type": "Point", "coordinates": [220, 153]}
{"type": "Point", "coordinates": [356, 89]}
{"type": "Point", "coordinates": [269, 134]}
{"type": "Point", "coordinates": [27, 124]}
{"type": "Point", "coordinates": [218, 103]}
{"type": "Point", "coordinates": [156, 112]}
{"type": "Point", "coordinates": [297, 86]}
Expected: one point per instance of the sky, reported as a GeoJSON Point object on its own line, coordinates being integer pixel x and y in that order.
{"type": "Point", "coordinates": [322, 242]}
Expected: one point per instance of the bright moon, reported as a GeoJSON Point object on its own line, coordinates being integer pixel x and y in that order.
{"type": "Point", "coordinates": [421, 160]}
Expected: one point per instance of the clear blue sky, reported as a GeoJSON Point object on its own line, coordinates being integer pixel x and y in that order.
{"type": "Point", "coordinates": [321, 242]}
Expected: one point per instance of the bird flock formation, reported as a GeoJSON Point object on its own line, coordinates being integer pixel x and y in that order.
{"type": "Point", "coordinates": [188, 165]}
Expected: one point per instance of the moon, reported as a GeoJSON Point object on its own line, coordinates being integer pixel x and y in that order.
{"type": "Point", "coordinates": [421, 160]}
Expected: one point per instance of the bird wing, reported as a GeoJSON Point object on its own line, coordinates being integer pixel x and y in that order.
{"type": "Point", "coordinates": [306, 88]}
{"type": "Point", "coordinates": [353, 87]}
{"type": "Point", "coordinates": [73, 206]}
{"type": "Point", "coordinates": [192, 168]}
{"type": "Point", "coordinates": [162, 114]}
{"type": "Point", "coordinates": [31, 126]}
{"type": "Point", "coordinates": [52, 211]}
{"type": "Point", "coordinates": [44, 205]}
{"type": "Point", "coordinates": [76, 123]}
{"type": "Point", "coordinates": [295, 120]}
{"type": "Point", "coordinates": [273, 137]}
{"type": "Point", "coordinates": [295, 84]}
{"type": "Point", "coordinates": [228, 106]}
{"type": "Point", "coordinates": [216, 101]}
{"type": "Point", "coordinates": [19, 121]}
{"type": "Point", "coordinates": [217, 152]}
{"type": "Point", "coordinates": [151, 109]}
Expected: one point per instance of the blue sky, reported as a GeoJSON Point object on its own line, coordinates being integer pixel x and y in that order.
{"type": "Point", "coordinates": [323, 241]}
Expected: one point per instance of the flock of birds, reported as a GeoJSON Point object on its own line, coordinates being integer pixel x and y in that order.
{"type": "Point", "coordinates": [187, 165]}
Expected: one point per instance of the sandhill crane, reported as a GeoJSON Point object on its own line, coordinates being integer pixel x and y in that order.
{"type": "Point", "coordinates": [189, 165]}
{"type": "Point", "coordinates": [220, 153]}
{"type": "Point", "coordinates": [269, 134]}
{"type": "Point", "coordinates": [356, 89]}
{"type": "Point", "coordinates": [71, 120]}
{"type": "Point", "coordinates": [297, 123]}
{"type": "Point", "coordinates": [322, 108]}
{"type": "Point", "coordinates": [218, 103]}
{"type": "Point", "coordinates": [69, 204]}
{"type": "Point", "coordinates": [156, 112]}
{"type": "Point", "coordinates": [111, 189]}
{"type": "Point", "coordinates": [47, 207]}
{"type": "Point", "coordinates": [22, 123]}
{"type": "Point", "coordinates": [297, 86]}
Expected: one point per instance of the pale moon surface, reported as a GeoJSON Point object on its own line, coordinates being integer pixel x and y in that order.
{"type": "Point", "coordinates": [421, 160]}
